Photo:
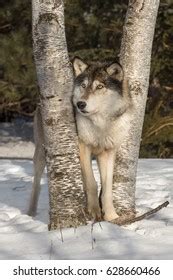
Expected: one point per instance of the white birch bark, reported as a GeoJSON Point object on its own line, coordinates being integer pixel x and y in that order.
{"type": "Point", "coordinates": [67, 200]}
{"type": "Point", "coordinates": [135, 57]}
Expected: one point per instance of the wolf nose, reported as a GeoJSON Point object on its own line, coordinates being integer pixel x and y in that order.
{"type": "Point", "coordinates": [81, 105]}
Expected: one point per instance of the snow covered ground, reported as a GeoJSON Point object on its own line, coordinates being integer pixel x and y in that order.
{"type": "Point", "coordinates": [22, 237]}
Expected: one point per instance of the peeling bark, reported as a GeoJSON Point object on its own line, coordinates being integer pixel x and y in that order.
{"type": "Point", "coordinates": [135, 57]}
{"type": "Point", "coordinates": [66, 196]}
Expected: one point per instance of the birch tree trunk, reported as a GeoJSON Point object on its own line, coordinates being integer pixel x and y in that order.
{"type": "Point", "coordinates": [67, 200]}
{"type": "Point", "coordinates": [135, 57]}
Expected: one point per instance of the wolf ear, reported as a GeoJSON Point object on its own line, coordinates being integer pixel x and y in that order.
{"type": "Point", "coordinates": [115, 70]}
{"type": "Point", "coordinates": [79, 66]}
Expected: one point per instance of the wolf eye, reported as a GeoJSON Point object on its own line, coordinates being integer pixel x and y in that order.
{"type": "Point", "coordinates": [83, 85]}
{"type": "Point", "coordinates": [99, 86]}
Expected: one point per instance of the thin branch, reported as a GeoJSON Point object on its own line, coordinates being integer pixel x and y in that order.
{"type": "Point", "coordinates": [160, 122]}
{"type": "Point", "coordinates": [166, 121]}
{"type": "Point", "coordinates": [5, 26]}
{"type": "Point", "coordinates": [62, 239]}
{"type": "Point", "coordinates": [126, 221]}
{"type": "Point", "coordinates": [93, 240]}
{"type": "Point", "coordinates": [157, 129]}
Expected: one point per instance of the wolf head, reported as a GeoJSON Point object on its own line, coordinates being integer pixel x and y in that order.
{"type": "Point", "coordinates": [97, 88]}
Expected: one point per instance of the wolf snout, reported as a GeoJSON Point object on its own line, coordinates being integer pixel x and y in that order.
{"type": "Point", "coordinates": [81, 105]}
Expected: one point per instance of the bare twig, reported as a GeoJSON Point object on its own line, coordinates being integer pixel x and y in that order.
{"type": "Point", "coordinates": [160, 124]}
{"type": "Point", "coordinates": [62, 239]}
{"type": "Point", "coordinates": [100, 225]}
{"type": "Point", "coordinates": [5, 26]}
{"type": "Point", "coordinates": [126, 221]}
{"type": "Point", "coordinates": [93, 240]}
{"type": "Point", "coordinates": [159, 128]}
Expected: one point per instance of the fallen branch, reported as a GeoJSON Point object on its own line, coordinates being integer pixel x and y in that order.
{"type": "Point", "coordinates": [121, 221]}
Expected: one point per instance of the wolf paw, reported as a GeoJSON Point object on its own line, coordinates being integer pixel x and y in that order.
{"type": "Point", "coordinates": [110, 215]}
{"type": "Point", "coordinates": [32, 212]}
{"type": "Point", "coordinates": [95, 212]}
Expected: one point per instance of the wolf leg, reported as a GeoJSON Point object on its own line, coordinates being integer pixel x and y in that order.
{"type": "Point", "coordinates": [39, 164]}
{"type": "Point", "coordinates": [38, 161]}
{"type": "Point", "coordinates": [90, 185]}
{"type": "Point", "coordinates": [106, 166]}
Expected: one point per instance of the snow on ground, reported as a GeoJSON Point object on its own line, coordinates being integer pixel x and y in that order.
{"type": "Point", "coordinates": [16, 139]}
{"type": "Point", "coordinates": [22, 237]}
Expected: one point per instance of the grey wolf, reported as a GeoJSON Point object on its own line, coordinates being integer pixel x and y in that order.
{"type": "Point", "coordinates": [102, 111]}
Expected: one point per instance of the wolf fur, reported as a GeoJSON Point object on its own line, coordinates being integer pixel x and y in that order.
{"type": "Point", "coordinates": [102, 110]}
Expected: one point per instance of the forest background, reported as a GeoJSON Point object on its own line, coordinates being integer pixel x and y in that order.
{"type": "Point", "coordinates": [94, 31]}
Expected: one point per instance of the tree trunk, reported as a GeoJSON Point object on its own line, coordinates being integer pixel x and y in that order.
{"type": "Point", "coordinates": [135, 57]}
{"type": "Point", "coordinates": [67, 199]}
